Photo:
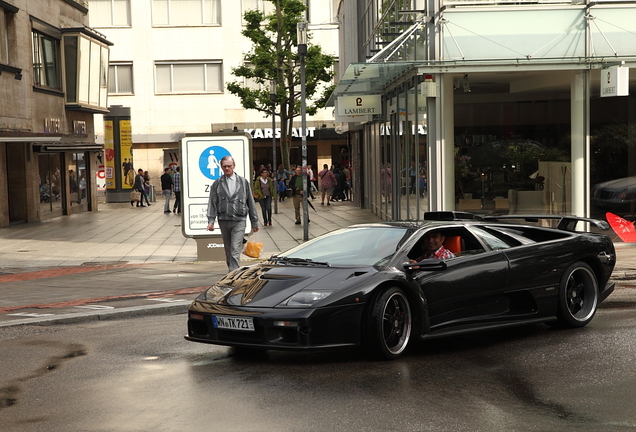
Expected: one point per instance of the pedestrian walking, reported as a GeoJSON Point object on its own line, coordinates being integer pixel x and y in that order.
{"type": "Point", "coordinates": [338, 187]}
{"type": "Point", "coordinates": [264, 191]}
{"type": "Point", "coordinates": [176, 187]}
{"type": "Point", "coordinates": [166, 187]}
{"type": "Point", "coordinates": [138, 185]}
{"type": "Point", "coordinates": [296, 185]}
{"type": "Point", "coordinates": [327, 180]}
{"type": "Point", "coordinates": [312, 179]}
{"type": "Point", "coordinates": [231, 202]}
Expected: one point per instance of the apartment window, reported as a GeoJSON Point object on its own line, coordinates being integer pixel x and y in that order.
{"type": "Point", "coordinates": [261, 5]}
{"type": "Point", "coordinates": [7, 36]}
{"type": "Point", "coordinates": [251, 82]}
{"type": "Point", "coordinates": [86, 60]}
{"type": "Point", "coordinates": [267, 7]}
{"type": "Point", "coordinates": [120, 78]}
{"type": "Point", "coordinates": [186, 12]}
{"type": "Point", "coordinates": [46, 61]}
{"type": "Point", "coordinates": [109, 13]}
{"type": "Point", "coordinates": [188, 77]}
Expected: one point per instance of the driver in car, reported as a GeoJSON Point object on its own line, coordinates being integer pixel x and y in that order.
{"type": "Point", "coordinates": [434, 245]}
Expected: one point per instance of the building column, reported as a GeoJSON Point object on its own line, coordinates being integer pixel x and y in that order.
{"type": "Point", "coordinates": [580, 132]}
{"type": "Point", "coordinates": [4, 187]}
{"type": "Point", "coordinates": [440, 142]}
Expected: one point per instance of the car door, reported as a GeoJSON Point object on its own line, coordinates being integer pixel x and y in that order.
{"type": "Point", "coordinates": [535, 269]}
{"type": "Point", "coordinates": [471, 288]}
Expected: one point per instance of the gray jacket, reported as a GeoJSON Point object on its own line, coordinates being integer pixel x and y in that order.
{"type": "Point", "coordinates": [235, 207]}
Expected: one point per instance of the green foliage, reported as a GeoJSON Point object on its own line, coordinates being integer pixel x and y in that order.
{"type": "Point", "coordinates": [503, 165]}
{"type": "Point", "coordinates": [274, 56]}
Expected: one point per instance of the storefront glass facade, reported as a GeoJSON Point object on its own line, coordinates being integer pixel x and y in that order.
{"type": "Point", "coordinates": [515, 119]}
{"type": "Point", "coordinates": [51, 183]}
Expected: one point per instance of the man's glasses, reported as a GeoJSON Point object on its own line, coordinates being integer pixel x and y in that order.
{"type": "Point", "coordinates": [226, 166]}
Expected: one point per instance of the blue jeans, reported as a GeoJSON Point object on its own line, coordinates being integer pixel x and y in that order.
{"type": "Point", "coordinates": [266, 208]}
{"type": "Point", "coordinates": [167, 193]}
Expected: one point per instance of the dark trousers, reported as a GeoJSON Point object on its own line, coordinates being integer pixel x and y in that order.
{"type": "Point", "coordinates": [143, 196]}
{"type": "Point", "coordinates": [266, 208]}
{"type": "Point", "coordinates": [232, 233]}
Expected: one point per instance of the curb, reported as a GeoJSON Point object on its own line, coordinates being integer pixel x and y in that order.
{"type": "Point", "coordinates": [101, 315]}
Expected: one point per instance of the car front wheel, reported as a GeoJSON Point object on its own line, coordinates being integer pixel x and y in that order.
{"type": "Point", "coordinates": [578, 296]}
{"type": "Point", "coordinates": [389, 325]}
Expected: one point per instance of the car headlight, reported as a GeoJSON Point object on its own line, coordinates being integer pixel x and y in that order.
{"type": "Point", "coordinates": [626, 194]}
{"type": "Point", "coordinates": [216, 293]}
{"type": "Point", "coordinates": [308, 298]}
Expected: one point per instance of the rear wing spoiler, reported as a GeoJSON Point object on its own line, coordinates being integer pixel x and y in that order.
{"type": "Point", "coordinates": [566, 222]}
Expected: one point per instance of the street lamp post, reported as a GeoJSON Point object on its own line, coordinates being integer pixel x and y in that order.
{"type": "Point", "coordinates": [302, 52]}
{"type": "Point", "coordinates": [272, 99]}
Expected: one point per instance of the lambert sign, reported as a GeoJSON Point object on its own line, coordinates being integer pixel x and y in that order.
{"type": "Point", "coordinates": [615, 81]}
{"type": "Point", "coordinates": [359, 105]}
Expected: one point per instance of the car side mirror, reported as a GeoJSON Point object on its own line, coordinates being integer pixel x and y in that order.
{"type": "Point", "coordinates": [426, 265]}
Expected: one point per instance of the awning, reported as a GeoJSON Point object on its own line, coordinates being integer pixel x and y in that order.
{"type": "Point", "coordinates": [68, 147]}
{"type": "Point", "coordinates": [378, 78]}
{"type": "Point", "coordinates": [369, 78]}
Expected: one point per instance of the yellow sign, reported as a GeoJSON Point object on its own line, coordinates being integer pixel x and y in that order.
{"type": "Point", "coordinates": [125, 153]}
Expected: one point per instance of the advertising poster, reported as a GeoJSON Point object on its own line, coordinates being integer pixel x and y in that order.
{"type": "Point", "coordinates": [201, 167]}
{"type": "Point", "coordinates": [109, 155]}
{"type": "Point", "coordinates": [125, 153]}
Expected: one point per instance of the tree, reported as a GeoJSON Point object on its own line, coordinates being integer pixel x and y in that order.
{"type": "Point", "coordinates": [274, 56]}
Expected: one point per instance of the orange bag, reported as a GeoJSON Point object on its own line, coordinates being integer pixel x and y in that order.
{"type": "Point", "coordinates": [253, 249]}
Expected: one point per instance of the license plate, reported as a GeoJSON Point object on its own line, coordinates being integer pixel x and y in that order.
{"type": "Point", "coordinates": [233, 323]}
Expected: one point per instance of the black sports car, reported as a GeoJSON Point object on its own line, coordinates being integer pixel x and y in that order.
{"type": "Point", "coordinates": [358, 286]}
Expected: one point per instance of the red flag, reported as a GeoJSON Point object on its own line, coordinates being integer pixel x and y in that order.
{"type": "Point", "coordinates": [623, 228]}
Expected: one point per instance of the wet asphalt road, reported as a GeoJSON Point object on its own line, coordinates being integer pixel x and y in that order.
{"type": "Point", "coordinates": [139, 374]}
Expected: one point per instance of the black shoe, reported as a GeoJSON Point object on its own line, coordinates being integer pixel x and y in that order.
{"type": "Point", "coordinates": [141, 206]}
{"type": "Point", "coordinates": [148, 204]}
{"type": "Point", "coordinates": [174, 210]}
{"type": "Point", "coordinates": [297, 222]}
{"type": "Point", "coordinates": [132, 203]}
{"type": "Point", "coordinates": [308, 221]}
{"type": "Point", "coordinates": [167, 211]}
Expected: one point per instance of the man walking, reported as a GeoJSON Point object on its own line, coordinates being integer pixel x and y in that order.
{"type": "Point", "coordinates": [231, 201]}
{"type": "Point", "coordinates": [176, 187]}
{"type": "Point", "coordinates": [166, 187]}
{"type": "Point", "coordinates": [296, 185]}
{"type": "Point", "coordinates": [139, 186]}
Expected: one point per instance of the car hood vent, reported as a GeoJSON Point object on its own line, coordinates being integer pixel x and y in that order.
{"type": "Point", "coordinates": [356, 274]}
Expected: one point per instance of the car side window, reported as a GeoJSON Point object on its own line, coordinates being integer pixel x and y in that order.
{"type": "Point", "coordinates": [458, 240]}
{"type": "Point", "coordinates": [492, 241]}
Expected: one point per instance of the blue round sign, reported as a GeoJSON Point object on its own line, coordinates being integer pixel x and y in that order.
{"type": "Point", "coordinates": [210, 161]}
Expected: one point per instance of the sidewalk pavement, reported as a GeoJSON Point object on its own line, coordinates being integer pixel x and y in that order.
{"type": "Point", "coordinates": [127, 261]}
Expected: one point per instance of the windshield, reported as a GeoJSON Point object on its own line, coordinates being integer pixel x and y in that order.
{"type": "Point", "coordinates": [360, 246]}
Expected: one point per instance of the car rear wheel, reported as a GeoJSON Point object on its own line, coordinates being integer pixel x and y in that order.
{"type": "Point", "coordinates": [578, 296]}
{"type": "Point", "coordinates": [389, 326]}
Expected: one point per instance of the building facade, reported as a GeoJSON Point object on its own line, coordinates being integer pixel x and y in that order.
{"type": "Point", "coordinates": [52, 81]}
{"type": "Point", "coordinates": [170, 64]}
{"type": "Point", "coordinates": [492, 106]}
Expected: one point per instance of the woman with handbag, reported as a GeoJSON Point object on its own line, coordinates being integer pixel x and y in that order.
{"type": "Point", "coordinates": [264, 191]}
{"type": "Point", "coordinates": [139, 187]}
